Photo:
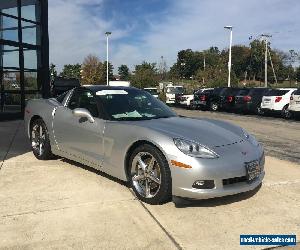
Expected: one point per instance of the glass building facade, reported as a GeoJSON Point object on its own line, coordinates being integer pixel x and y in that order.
{"type": "Point", "coordinates": [24, 54]}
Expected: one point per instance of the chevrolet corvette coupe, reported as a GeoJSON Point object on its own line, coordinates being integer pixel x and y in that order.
{"type": "Point", "coordinates": [127, 133]}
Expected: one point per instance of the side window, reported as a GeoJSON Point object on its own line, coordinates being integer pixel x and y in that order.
{"type": "Point", "coordinates": [84, 99]}
{"type": "Point", "coordinates": [61, 97]}
{"type": "Point", "coordinates": [73, 102]}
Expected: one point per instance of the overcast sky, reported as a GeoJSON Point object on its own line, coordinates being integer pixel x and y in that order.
{"type": "Point", "coordinates": [148, 29]}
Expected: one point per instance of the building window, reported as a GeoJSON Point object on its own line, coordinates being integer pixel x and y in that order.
{"type": "Point", "coordinates": [24, 53]}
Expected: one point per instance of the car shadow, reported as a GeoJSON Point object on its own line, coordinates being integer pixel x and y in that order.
{"type": "Point", "coordinates": [214, 202]}
{"type": "Point", "coordinates": [96, 171]}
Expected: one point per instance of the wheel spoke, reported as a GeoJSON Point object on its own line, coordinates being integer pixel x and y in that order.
{"type": "Point", "coordinates": [138, 177]}
{"type": "Point", "coordinates": [40, 148]}
{"type": "Point", "coordinates": [154, 179]}
{"type": "Point", "coordinates": [41, 131]}
{"type": "Point", "coordinates": [142, 164]}
{"type": "Point", "coordinates": [151, 163]}
{"type": "Point", "coordinates": [147, 189]}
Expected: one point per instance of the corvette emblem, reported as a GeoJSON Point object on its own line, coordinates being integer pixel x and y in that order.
{"type": "Point", "coordinates": [244, 152]}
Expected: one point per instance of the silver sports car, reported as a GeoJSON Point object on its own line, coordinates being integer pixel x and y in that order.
{"type": "Point", "coordinates": [127, 133]}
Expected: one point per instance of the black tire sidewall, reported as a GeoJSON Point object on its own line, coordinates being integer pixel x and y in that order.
{"type": "Point", "coordinates": [165, 192]}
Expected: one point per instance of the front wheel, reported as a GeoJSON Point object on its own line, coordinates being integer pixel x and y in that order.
{"type": "Point", "coordinates": [150, 176]}
{"type": "Point", "coordinates": [40, 142]}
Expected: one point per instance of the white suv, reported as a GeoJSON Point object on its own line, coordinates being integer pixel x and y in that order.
{"type": "Point", "coordinates": [277, 100]}
{"type": "Point", "coordinates": [294, 107]}
{"type": "Point", "coordinates": [187, 100]}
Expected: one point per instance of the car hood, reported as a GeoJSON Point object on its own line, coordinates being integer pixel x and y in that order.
{"type": "Point", "coordinates": [213, 133]}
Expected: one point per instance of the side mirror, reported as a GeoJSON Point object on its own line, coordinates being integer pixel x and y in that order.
{"type": "Point", "coordinates": [80, 112]}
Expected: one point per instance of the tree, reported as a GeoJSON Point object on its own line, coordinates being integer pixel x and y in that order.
{"type": "Point", "coordinates": [240, 60]}
{"type": "Point", "coordinates": [145, 75]}
{"type": "Point", "coordinates": [123, 72]}
{"type": "Point", "coordinates": [297, 74]}
{"type": "Point", "coordinates": [92, 71]}
{"type": "Point", "coordinates": [71, 71]}
{"type": "Point", "coordinates": [110, 72]}
{"type": "Point", "coordinates": [53, 72]}
{"type": "Point", "coordinates": [256, 63]}
{"type": "Point", "coordinates": [216, 76]}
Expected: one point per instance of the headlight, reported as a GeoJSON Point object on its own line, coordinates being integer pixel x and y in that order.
{"type": "Point", "coordinates": [250, 138]}
{"type": "Point", "coordinates": [194, 149]}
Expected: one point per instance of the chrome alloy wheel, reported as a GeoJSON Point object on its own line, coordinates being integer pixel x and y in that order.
{"type": "Point", "coordinates": [146, 174]}
{"type": "Point", "coordinates": [38, 139]}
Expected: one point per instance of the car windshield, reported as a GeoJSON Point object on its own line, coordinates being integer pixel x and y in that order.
{"type": "Point", "coordinates": [175, 90]}
{"type": "Point", "coordinates": [152, 91]}
{"type": "Point", "coordinates": [276, 92]}
{"type": "Point", "coordinates": [132, 104]}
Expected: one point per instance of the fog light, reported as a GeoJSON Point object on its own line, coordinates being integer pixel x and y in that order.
{"type": "Point", "coordinates": [204, 184]}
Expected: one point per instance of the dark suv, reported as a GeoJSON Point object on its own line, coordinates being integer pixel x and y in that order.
{"type": "Point", "coordinates": [229, 100]}
{"type": "Point", "coordinates": [249, 100]}
{"type": "Point", "coordinates": [61, 85]}
{"type": "Point", "coordinates": [221, 98]}
{"type": "Point", "coordinates": [201, 99]}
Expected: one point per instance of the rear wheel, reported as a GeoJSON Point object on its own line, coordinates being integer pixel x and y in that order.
{"type": "Point", "coordinates": [285, 113]}
{"type": "Point", "coordinates": [214, 106]}
{"type": "Point", "coordinates": [259, 111]}
{"type": "Point", "coordinates": [40, 143]}
{"type": "Point", "coordinates": [150, 176]}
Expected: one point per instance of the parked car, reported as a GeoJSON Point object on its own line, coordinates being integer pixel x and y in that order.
{"type": "Point", "coordinates": [249, 100]}
{"type": "Point", "coordinates": [277, 101]}
{"type": "Point", "coordinates": [177, 99]}
{"type": "Point", "coordinates": [228, 103]}
{"type": "Point", "coordinates": [201, 99]}
{"type": "Point", "coordinates": [294, 107]}
{"type": "Point", "coordinates": [215, 99]}
{"type": "Point", "coordinates": [153, 91]}
{"type": "Point", "coordinates": [185, 100]}
{"type": "Point", "coordinates": [132, 136]}
{"type": "Point", "coordinates": [61, 85]}
{"type": "Point", "coordinates": [171, 91]}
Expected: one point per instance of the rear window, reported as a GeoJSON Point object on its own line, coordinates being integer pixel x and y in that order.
{"type": "Point", "coordinates": [208, 91]}
{"type": "Point", "coordinates": [276, 92]}
{"type": "Point", "coordinates": [233, 91]}
{"type": "Point", "coordinates": [297, 92]}
{"type": "Point", "coordinates": [243, 92]}
{"type": "Point", "coordinates": [218, 91]}
{"type": "Point", "coordinates": [258, 91]}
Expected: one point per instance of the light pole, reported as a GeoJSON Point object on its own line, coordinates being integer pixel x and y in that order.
{"type": "Point", "coordinates": [229, 60]}
{"type": "Point", "coordinates": [265, 37]}
{"type": "Point", "coordinates": [107, 34]}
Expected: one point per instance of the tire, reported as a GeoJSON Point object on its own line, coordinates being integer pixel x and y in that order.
{"type": "Point", "coordinates": [150, 175]}
{"type": "Point", "coordinates": [214, 106]}
{"type": "Point", "coordinates": [40, 142]}
{"type": "Point", "coordinates": [285, 113]}
{"type": "Point", "coordinates": [259, 111]}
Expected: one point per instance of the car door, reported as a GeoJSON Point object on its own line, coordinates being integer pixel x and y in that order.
{"type": "Point", "coordinates": [77, 136]}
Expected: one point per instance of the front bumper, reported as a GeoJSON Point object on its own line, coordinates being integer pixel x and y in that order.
{"type": "Point", "coordinates": [184, 103]}
{"type": "Point", "coordinates": [170, 101]}
{"type": "Point", "coordinates": [219, 190]}
{"type": "Point", "coordinates": [228, 173]}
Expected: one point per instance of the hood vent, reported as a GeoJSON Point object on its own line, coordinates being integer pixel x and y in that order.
{"type": "Point", "coordinates": [229, 144]}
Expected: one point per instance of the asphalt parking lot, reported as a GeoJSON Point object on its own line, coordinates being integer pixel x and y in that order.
{"type": "Point", "coordinates": [60, 204]}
